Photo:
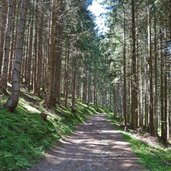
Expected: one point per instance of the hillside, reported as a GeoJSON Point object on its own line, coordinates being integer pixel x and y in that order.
{"type": "Point", "coordinates": [25, 135]}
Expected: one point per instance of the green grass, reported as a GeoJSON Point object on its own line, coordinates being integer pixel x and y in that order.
{"type": "Point", "coordinates": [153, 158]}
{"type": "Point", "coordinates": [102, 109]}
{"type": "Point", "coordinates": [24, 136]}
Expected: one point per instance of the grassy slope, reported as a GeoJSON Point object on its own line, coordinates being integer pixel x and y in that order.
{"type": "Point", "coordinates": [24, 135]}
{"type": "Point", "coordinates": [154, 158]}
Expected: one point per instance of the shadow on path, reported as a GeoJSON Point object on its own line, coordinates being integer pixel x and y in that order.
{"type": "Point", "coordinates": [95, 146]}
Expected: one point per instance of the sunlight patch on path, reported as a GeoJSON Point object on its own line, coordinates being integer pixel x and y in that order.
{"type": "Point", "coordinates": [94, 146]}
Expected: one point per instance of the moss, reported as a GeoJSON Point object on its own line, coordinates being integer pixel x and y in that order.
{"type": "Point", "coordinates": [24, 136]}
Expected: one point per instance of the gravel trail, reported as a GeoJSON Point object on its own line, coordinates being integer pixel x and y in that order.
{"type": "Point", "coordinates": [94, 146]}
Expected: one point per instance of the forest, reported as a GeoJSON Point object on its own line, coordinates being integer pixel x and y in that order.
{"type": "Point", "coordinates": [58, 68]}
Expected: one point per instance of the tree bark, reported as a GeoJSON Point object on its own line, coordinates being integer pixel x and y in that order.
{"type": "Point", "coordinates": [162, 90]}
{"type": "Point", "coordinates": [84, 84]}
{"type": "Point", "coordinates": [124, 77]}
{"type": "Point", "coordinates": [66, 75]}
{"type": "Point", "coordinates": [3, 17]}
{"type": "Point", "coordinates": [34, 73]}
{"type": "Point", "coordinates": [150, 61]}
{"type": "Point", "coordinates": [156, 74]}
{"type": "Point", "coordinates": [89, 88]}
{"type": "Point", "coordinates": [134, 93]}
{"type": "Point", "coordinates": [6, 47]}
{"type": "Point", "coordinates": [40, 53]}
{"type": "Point", "coordinates": [12, 102]}
{"type": "Point", "coordinates": [30, 51]}
{"type": "Point", "coordinates": [73, 84]}
{"type": "Point", "coordinates": [12, 45]}
{"type": "Point", "coordinates": [94, 91]}
{"type": "Point", "coordinates": [54, 62]}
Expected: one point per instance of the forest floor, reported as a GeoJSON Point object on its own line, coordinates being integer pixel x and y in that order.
{"type": "Point", "coordinates": [94, 146]}
{"type": "Point", "coordinates": [97, 144]}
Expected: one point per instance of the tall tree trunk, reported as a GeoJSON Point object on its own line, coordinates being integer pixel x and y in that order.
{"type": "Point", "coordinates": [84, 84]}
{"type": "Point", "coordinates": [134, 93]}
{"type": "Point", "coordinates": [6, 47]}
{"type": "Point", "coordinates": [40, 53]}
{"type": "Point", "coordinates": [165, 117]}
{"type": "Point", "coordinates": [34, 73]}
{"type": "Point", "coordinates": [12, 102]}
{"type": "Point", "coordinates": [141, 84]}
{"type": "Point", "coordinates": [59, 35]}
{"type": "Point", "coordinates": [30, 51]}
{"type": "Point", "coordinates": [162, 90]}
{"type": "Point", "coordinates": [3, 17]}
{"type": "Point", "coordinates": [12, 45]}
{"type": "Point", "coordinates": [89, 88]}
{"type": "Point", "coordinates": [156, 74]}
{"type": "Point", "coordinates": [26, 49]}
{"type": "Point", "coordinates": [151, 120]}
{"type": "Point", "coordinates": [73, 84]}
{"type": "Point", "coordinates": [94, 90]}
{"type": "Point", "coordinates": [66, 76]}
{"type": "Point", "coordinates": [51, 61]}
{"type": "Point", "coordinates": [54, 62]}
{"type": "Point", "coordinates": [124, 77]}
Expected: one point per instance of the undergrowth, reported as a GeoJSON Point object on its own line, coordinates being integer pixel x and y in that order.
{"type": "Point", "coordinates": [153, 158]}
{"type": "Point", "coordinates": [24, 136]}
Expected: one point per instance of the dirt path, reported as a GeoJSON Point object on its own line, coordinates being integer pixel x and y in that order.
{"type": "Point", "coordinates": [95, 146]}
